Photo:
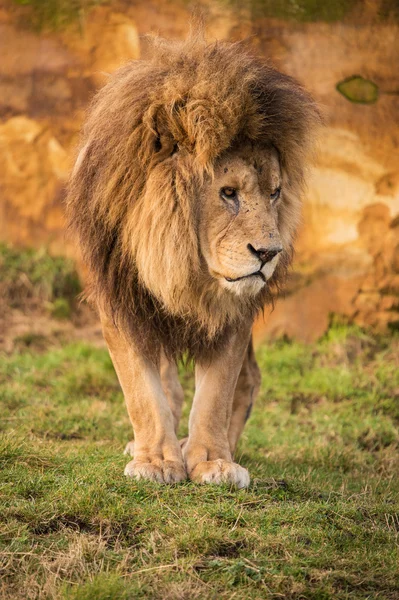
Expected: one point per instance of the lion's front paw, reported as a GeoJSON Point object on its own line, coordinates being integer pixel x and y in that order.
{"type": "Point", "coordinates": [220, 471]}
{"type": "Point", "coordinates": [161, 471]}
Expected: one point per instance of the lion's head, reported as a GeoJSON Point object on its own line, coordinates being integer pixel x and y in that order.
{"type": "Point", "coordinates": [241, 235]}
{"type": "Point", "coordinates": [186, 193]}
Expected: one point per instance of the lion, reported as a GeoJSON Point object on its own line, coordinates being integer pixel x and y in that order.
{"type": "Point", "coordinates": [185, 198]}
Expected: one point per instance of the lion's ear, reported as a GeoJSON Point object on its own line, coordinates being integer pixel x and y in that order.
{"type": "Point", "coordinates": [165, 146]}
{"type": "Point", "coordinates": [164, 143]}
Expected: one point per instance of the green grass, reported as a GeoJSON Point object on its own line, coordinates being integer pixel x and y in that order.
{"type": "Point", "coordinates": [320, 520]}
{"type": "Point", "coordinates": [33, 277]}
{"type": "Point", "coordinates": [314, 11]}
{"type": "Point", "coordinates": [55, 14]}
{"type": "Point", "coordinates": [303, 10]}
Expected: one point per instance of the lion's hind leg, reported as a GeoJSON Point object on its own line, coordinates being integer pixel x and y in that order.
{"type": "Point", "coordinates": [247, 389]}
{"type": "Point", "coordinates": [172, 388]}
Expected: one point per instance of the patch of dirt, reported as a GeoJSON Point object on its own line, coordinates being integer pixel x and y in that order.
{"type": "Point", "coordinates": [37, 330]}
{"type": "Point", "coordinates": [228, 549]}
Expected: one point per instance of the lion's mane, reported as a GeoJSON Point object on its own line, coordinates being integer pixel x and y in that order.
{"type": "Point", "coordinates": [152, 135]}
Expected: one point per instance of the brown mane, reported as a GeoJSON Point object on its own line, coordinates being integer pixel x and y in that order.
{"type": "Point", "coordinates": [152, 135]}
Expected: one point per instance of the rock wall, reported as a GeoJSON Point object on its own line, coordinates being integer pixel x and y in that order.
{"type": "Point", "coordinates": [46, 81]}
{"type": "Point", "coordinates": [348, 250]}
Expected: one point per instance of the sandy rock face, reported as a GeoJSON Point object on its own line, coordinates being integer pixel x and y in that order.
{"type": "Point", "coordinates": [347, 259]}
{"type": "Point", "coordinates": [109, 40]}
{"type": "Point", "coordinates": [35, 167]}
{"type": "Point", "coordinates": [45, 83]}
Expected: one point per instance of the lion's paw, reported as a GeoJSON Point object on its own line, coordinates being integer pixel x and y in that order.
{"type": "Point", "coordinates": [161, 471]}
{"type": "Point", "coordinates": [183, 443]}
{"type": "Point", "coordinates": [129, 449]}
{"type": "Point", "coordinates": [220, 471]}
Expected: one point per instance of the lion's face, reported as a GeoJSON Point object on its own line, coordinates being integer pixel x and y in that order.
{"type": "Point", "coordinates": [239, 229]}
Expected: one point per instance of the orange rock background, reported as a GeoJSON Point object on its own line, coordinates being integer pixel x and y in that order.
{"type": "Point", "coordinates": [347, 259]}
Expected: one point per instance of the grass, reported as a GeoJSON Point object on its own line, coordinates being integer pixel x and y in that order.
{"type": "Point", "coordinates": [32, 278]}
{"type": "Point", "coordinates": [315, 11]}
{"type": "Point", "coordinates": [55, 15]}
{"type": "Point", "coordinates": [303, 10]}
{"type": "Point", "coordinates": [51, 15]}
{"type": "Point", "coordinates": [320, 520]}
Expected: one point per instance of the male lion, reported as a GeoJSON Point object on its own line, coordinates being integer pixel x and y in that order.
{"type": "Point", "coordinates": [185, 198]}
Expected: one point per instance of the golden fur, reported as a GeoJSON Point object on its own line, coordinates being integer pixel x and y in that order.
{"type": "Point", "coordinates": [151, 141]}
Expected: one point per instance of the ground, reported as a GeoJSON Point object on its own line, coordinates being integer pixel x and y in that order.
{"type": "Point", "coordinates": [320, 520]}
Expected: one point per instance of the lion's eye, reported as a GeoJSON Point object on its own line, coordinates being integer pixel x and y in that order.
{"type": "Point", "coordinates": [229, 193]}
{"type": "Point", "coordinates": [275, 195]}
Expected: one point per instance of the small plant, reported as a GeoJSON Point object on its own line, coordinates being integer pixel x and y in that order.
{"type": "Point", "coordinates": [61, 308]}
{"type": "Point", "coordinates": [56, 14]}
{"type": "Point", "coordinates": [359, 90]}
{"type": "Point", "coordinates": [303, 10]}
{"type": "Point", "coordinates": [33, 277]}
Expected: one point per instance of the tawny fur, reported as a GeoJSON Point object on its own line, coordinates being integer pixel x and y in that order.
{"type": "Point", "coordinates": [151, 139]}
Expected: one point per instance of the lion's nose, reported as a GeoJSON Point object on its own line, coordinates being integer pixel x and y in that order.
{"type": "Point", "coordinates": [265, 254]}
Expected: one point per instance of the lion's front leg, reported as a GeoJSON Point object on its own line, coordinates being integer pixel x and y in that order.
{"type": "Point", "coordinates": [157, 453]}
{"type": "Point", "coordinates": [207, 453]}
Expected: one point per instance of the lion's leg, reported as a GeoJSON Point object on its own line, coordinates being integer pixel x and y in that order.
{"type": "Point", "coordinates": [157, 454]}
{"type": "Point", "coordinates": [172, 388]}
{"type": "Point", "coordinates": [247, 389]}
{"type": "Point", "coordinates": [173, 392]}
{"type": "Point", "coordinates": [207, 452]}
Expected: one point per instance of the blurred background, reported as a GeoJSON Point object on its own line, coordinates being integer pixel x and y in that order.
{"type": "Point", "coordinates": [56, 53]}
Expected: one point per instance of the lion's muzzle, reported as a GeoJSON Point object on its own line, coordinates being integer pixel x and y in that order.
{"type": "Point", "coordinates": [265, 255]}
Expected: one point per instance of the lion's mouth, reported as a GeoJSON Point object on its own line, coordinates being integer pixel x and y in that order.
{"type": "Point", "coordinates": [256, 274]}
